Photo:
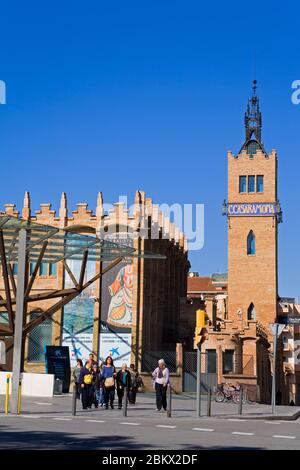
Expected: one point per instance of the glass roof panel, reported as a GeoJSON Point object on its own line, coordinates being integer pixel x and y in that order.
{"type": "Point", "coordinates": [61, 243]}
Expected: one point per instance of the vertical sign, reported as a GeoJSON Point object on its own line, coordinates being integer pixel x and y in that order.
{"type": "Point", "coordinates": [116, 307]}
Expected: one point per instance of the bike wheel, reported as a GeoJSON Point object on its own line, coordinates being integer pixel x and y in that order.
{"type": "Point", "coordinates": [219, 397]}
{"type": "Point", "coordinates": [235, 397]}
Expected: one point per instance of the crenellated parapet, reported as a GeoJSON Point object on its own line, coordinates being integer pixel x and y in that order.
{"type": "Point", "coordinates": [143, 219]}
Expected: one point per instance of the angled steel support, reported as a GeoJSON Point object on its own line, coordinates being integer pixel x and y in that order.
{"type": "Point", "coordinates": [36, 268]}
{"type": "Point", "coordinates": [19, 321]}
{"type": "Point", "coordinates": [6, 281]}
{"type": "Point", "coordinates": [48, 313]}
{"type": "Point", "coordinates": [83, 267]}
{"type": "Point", "coordinates": [72, 294]}
{"type": "Point", "coordinates": [71, 275]}
{"type": "Point", "coordinates": [12, 279]}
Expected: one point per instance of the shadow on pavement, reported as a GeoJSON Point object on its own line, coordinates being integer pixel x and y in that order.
{"type": "Point", "coordinates": [38, 440]}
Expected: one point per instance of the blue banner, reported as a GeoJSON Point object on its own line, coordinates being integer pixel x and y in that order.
{"type": "Point", "coordinates": [255, 209]}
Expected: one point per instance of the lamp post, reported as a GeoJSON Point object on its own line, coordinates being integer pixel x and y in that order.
{"type": "Point", "coordinates": [276, 329]}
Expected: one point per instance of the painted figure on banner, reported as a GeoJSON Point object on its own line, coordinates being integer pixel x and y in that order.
{"type": "Point", "coordinates": [120, 307]}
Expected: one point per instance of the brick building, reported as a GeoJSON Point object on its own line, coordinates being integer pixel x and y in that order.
{"type": "Point", "coordinates": [240, 341]}
{"type": "Point", "coordinates": [289, 314]}
{"type": "Point", "coordinates": [134, 310]}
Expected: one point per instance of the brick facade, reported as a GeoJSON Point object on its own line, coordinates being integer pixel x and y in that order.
{"type": "Point", "coordinates": [158, 286]}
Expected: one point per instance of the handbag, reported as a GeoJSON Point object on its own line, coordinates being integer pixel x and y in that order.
{"type": "Point", "coordinates": [109, 382]}
{"type": "Point", "coordinates": [88, 379]}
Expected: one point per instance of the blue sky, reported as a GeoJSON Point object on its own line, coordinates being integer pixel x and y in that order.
{"type": "Point", "coordinates": [118, 96]}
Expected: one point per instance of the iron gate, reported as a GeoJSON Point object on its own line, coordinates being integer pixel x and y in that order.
{"type": "Point", "coordinates": [208, 371]}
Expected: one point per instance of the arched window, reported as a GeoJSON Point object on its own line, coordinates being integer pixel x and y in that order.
{"type": "Point", "coordinates": [251, 243]}
{"type": "Point", "coordinates": [251, 313]}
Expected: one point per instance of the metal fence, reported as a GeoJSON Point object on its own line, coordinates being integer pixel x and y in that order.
{"type": "Point", "coordinates": [208, 372]}
{"type": "Point", "coordinates": [38, 338]}
{"type": "Point", "coordinates": [150, 359]}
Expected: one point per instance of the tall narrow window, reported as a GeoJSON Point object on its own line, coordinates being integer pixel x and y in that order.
{"type": "Point", "coordinates": [251, 243]}
{"type": "Point", "coordinates": [44, 269]}
{"type": "Point", "coordinates": [260, 183]}
{"type": "Point", "coordinates": [251, 314]}
{"type": "Point", "coordinates": [15, 269]}
{"type": "Point", "coordinates": [32, 268]}
{"type": "Point", "coordinates": [242, 184]}
{"type": "Point", "coordinates": [52, 269]}
{"type": "Point", "coordinates": [211, 361]}
{"type": "Point", "coordinates": [251, 184]}
{"type": "Point", "coordinates": [228, 361]}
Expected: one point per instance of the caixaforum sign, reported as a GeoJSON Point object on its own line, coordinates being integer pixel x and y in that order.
{"type": "Point", "coordinates": [252, 209]}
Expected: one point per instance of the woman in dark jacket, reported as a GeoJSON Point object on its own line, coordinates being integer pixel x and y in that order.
{"type": "Point", "coordinates": [123, 380]}
{"type": "Point", "coordinates": [86, 384]}
{"type": "Point", "coordinates": [108, 375]}
{"type": "Point", "coordinates": [96, 383]}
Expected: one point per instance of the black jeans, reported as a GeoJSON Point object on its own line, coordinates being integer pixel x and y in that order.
{"type": "Point", "coordinates": [87, 396]}
{"type": "Point", "coordinates": [120, 393]}
{"type": "Point", "coordinates": [132, 395]}
{"type": "Point", "coordinates": [78, 390]}
{"type": "Point", "coordinates": [109, 395]}
{"type": "Point", "coordinates": [161, 396]}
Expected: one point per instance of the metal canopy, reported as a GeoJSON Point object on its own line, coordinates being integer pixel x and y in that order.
{"type": "Point", "coordinates": [61, 243]}
{"type": "Point", "coordinates": [47, 244]}
{"type": "Point", "coordinates": [24, 242]}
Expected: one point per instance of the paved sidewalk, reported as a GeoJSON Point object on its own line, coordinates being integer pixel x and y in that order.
{"type": "Point", "coordinates": [183, 407]}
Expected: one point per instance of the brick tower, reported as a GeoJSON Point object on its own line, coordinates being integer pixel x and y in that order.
{"type": "Point", "coordinates": [240, 337]}
{"type": "Point", "coordinates": [253, 215]}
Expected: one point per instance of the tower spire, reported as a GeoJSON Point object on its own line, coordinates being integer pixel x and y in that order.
{"type": "Point", "coordinates": [253, 123]}
{"type": "Point", "coordinates": [253, 120]}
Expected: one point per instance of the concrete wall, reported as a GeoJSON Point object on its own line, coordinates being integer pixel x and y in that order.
{"type": "Point", "coordinates": [33, 385]}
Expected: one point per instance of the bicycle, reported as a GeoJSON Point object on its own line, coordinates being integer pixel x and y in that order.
{"type": "Point", "coordinates": [227, 392]}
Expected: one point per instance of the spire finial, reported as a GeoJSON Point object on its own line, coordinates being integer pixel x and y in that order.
{"type": "Point", "coordinates": [63, 209]}
{"type": "Point", "coordinates": [253, 120]}
{"type": "Point", "coordinates": [26, 211]}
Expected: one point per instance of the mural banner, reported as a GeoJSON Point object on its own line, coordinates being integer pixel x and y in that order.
{"type": "Point", "coordinates": [116, 307]}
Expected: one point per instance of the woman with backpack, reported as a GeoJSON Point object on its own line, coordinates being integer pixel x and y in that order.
{"type": "Point", "coordinates": [108, 375]}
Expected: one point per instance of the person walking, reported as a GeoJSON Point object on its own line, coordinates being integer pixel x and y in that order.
{"type": "Point", "coordinates": [134, 385]}
{"type": "Point", "coordinates": [86, 384]}
{"type": "Point", "coordinates": [108, 376]}
{"type": "Point", "coordinates": [123, 380]}
{"type": "Point", "coordinates": [161, 377]}
{"type": "Point", "coordinates": [96, 384]}
{"type": "Point", "coordinates": [101, 389]}
{"type": "Point", "coordinates": [76, 373]}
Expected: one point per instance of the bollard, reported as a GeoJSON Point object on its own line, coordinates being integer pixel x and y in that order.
{"type": "Point", "coordinates": [19, 396]}
{"type": "Point", "coordinates": [74, 400]}
{"type": "Point", "coordinates": [7, 393]}
{"type": "Point", "coordinates": [125, 401]}
{"type": "Point", "coordinates": [209, 402]}
{"type": "Point", "coordinates": [240, 400]}
{"type": "Point", "coordinates": [169, 412]}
